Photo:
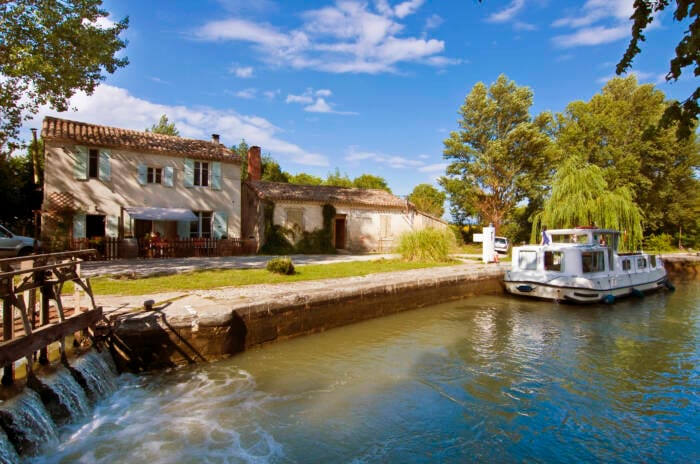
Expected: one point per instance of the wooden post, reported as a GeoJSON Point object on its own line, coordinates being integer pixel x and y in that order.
{"type": "Point", "coordinates": [8, 375]}
{"type": "Point", "coordinates": [45, 296]}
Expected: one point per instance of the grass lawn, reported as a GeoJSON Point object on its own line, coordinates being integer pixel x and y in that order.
{"type": "Point", "coordinates": [203, 280]}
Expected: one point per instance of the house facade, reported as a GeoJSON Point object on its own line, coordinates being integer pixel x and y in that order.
{"type": "Point", "coordinates": [365, 220]}
{"type": "Point", "coordinates": [109, 182]}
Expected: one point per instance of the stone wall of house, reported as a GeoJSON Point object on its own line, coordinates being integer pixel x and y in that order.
{"type": "Point", "coordinates": [120, 187]}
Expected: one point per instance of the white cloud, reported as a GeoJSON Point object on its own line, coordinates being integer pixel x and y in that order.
{"type": "Point", "coordinates": [433, 22]}
{"type": "Point", "coordinates": [347, 37]}
{"type": "Point", "coordinates": [129, 112]}
{"type": "Point", "coordinates": [597, 22]}
{"type": "Point", "coordinates": [434, 168]}
{"type": "Point", "coordinates": [243, 72]}
{"type": "Point", "coordinates": [392, 161]}
{"type": "Point", "coordinates": [248, 94]}
{"type": "Point", "coordinates": [592, 36]}
{"type": "Point", "coordinates": [315, 101]}
{"type": "Point", "coordinates": [507, 14]}
{"type": "Point", "coordinates": [407, 8]}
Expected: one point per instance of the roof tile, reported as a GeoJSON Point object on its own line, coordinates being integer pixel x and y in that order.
{"type": "Point", "coordinates": [63, 130]}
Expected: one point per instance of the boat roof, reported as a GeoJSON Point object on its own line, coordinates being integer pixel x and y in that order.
{"type": "Point", "coordinates": [583, 231]}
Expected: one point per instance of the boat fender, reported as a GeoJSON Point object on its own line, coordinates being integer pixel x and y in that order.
{"type": "Point", "coordinates": [636, 292]}
{"type": "Point", "coordinates": [496, 258]}
{"type": "Point", "coordinates": [609, 299]}
{"type": "Point", "coordinates": [669, 285]}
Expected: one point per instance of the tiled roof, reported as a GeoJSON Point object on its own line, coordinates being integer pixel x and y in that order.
{"type": "Point", "coordinates": [324, 194]}
{"type": "Point", "coordinates": [63, 130]}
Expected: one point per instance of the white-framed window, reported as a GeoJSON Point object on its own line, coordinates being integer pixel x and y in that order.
{"type": "Point", "coordinates": [202, 226]}
{"type": "Point", "coordinates": [527, 260]}
{"type": "Point", "coordinates": [593, 261]}
{"type": "Point", "coordinates": [201, 174]}
{"type": "Point", "coordinates": [154, 175]}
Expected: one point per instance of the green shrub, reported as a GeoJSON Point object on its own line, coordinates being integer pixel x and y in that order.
{"type": "Point", "coordinates": [428, 245]}
{"type": "Point", "coordinates": [282, 265]}
{"type": "Point", "coordinates": [661, 242]}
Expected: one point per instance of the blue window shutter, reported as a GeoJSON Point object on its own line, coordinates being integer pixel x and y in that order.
{"type": "Point", "coordinates": [79, 226]}
{"type": "Point", "coordinates": [105, 166]}
{"type": "Point", "coordinates": [112, 226]}
{"type": "Point", "coordinates": [168, 176]}
{"type": "Point", "coordinates": [189, 173]}
{"type": "Point", "coordinates": [219, 224]}
{"type": "Point", "coordinates": [183, 229]}
{"type": "Point", "coordinates": [143, 174]}
{"type": "Point", "coordinates": [216, 175]}
{"type": "Point", "coordinates": [80, 169]}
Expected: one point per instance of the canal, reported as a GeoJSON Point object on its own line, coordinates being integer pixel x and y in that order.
{"type": "Point", "coordinates": [485, 379]}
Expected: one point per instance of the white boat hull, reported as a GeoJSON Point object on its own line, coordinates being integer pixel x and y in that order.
{"type": "Point", "coordinates": [583, 290]}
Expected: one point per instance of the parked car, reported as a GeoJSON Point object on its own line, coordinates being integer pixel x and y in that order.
{"type": "Point", "coordinates": [15, 245]}
{"type": "Point", "coordinates": [501, 245]}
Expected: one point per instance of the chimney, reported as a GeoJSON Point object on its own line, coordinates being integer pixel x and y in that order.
{"type": "Point", "coordinates": [215, 138]}
{"type": "Point", "coordinates": [254, 163]}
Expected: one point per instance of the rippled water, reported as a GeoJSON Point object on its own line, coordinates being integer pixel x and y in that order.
{"type": "Point", "coordinates": [487, 379]}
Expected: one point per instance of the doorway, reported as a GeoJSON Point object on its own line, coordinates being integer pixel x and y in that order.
{"type": "Point", "coordinates": [340, 223]}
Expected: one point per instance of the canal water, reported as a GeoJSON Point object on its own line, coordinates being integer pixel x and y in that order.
{"type": "Point", "coordinates": [485, 379]}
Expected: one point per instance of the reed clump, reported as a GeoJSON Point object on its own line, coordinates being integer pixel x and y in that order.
{"type": "Point", "coordinates": [427, 245]}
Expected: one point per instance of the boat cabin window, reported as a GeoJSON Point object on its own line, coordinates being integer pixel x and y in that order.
{"type": "Point", "coordinates": [641, 263]}
{"type": "Point", "coordinates": [626, 264]}
{"type": "Point", "coordinates": [527, 260]}
{"type": "Point", "coordinates": [593, 261]}
{"type": "Point", "coordinates": [652, 258]}
{"type": "Point", "coordinates": [553, 260]}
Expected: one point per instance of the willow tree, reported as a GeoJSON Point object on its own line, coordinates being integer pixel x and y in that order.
{"type": "Point", "coordinates": [581, 197]}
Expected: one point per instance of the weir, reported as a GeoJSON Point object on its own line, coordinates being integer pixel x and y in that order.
{"type": "Point", "coordinates": [35, 322]}
{"type": "Point", "coordinates": [28, 286]}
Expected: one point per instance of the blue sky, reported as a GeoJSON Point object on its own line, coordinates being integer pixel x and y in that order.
{"type": "Point", "coordinates": [368, 86]}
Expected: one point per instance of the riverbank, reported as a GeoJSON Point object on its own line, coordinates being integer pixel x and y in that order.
{"type": "Point", "coordinates": [167, 329]}
{"type": "Point", "coordinates": [204, 325]}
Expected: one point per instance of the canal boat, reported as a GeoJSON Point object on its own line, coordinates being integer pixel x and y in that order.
{"type": "Point", "coordinates": [583, 265]}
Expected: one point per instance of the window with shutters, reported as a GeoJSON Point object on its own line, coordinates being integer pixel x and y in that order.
{"type": "Point", "coordinates": [201, 174]}
{"type": "Point", "coordinates": [202, 226]}
{"type": "Point", "coordinates": [93, 163]}
{"type": "Point", "coordinates": [154, 176]}
{"type": "Point", "coordinates": [295, 219]}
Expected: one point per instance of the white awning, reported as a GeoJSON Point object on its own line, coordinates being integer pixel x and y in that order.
{"type": "Point", "coordinates": [151, 213]}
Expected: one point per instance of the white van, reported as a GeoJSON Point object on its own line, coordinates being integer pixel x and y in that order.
{"type": "Point", "coordinates": [501, 245]}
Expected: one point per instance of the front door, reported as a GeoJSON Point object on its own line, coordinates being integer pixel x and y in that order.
{"type": "Point", "coordinates": [340, 232]}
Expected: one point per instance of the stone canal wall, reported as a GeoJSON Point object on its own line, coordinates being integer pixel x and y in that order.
{"type": "Point", "coordinates": [202, 326]}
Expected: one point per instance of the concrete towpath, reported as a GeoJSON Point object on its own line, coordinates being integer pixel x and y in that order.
{"type": "Point", "coordinates": [169, 266]}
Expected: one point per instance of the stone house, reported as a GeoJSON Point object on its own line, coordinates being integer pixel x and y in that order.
{"type": "Point", "coordinates": [365, 220]}
{"type": "Point", "coordinates": [109, 182]}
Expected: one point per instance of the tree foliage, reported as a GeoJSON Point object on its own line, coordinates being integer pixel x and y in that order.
{"type": "Point", "coordinates": [242, 150]}
{"type": "Point", "coordinates": [49, 50]}
{"type": "Point", "coordinates": [369, 181]}
{"type": "Point", "coordinates": [500, 156]}
{"type": "Point", "coordinates": [271, 170]}
{"type": "Point", "coordinates": [687, 53]}
{"type": "Point", "coordinates": [428, 199]}
{"type": "Point", "coordinates": [582, 197]}
{"type": "Point", "coordinates": [336, 179]}
{"type": "Point", "coordinates": [616, 130]}
{"type": "Point", "coordinates": [305, 179]}
{"type": "Point", "coordinates": [164, 127]}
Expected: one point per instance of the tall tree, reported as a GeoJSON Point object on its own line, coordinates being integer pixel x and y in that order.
{"type": "Point", "coordinates": [242, 150]}
{"type": "Point", "coordinates": [164, 127]}
{"type": "Point", "coordinates": [582, 197]}
{"type": "Point", "coordinates": [337, 179]}
{"type": "Point", "coordinates": [500, 156]}
{"type": "Point", "coordinates": [271, 170]}
{"type": "Point", "coordinates": [305, 179]}
{"type": "Point", "coordinates": [49, 50]}
{"type": "Point", "coordinates": [687, 54]}
{"type": "Point", "coordinates": [617, 131]}
{"type": "Point", "coordinates": [369, 181]}
{"type": "Point", "coordinates": [428, 199]}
